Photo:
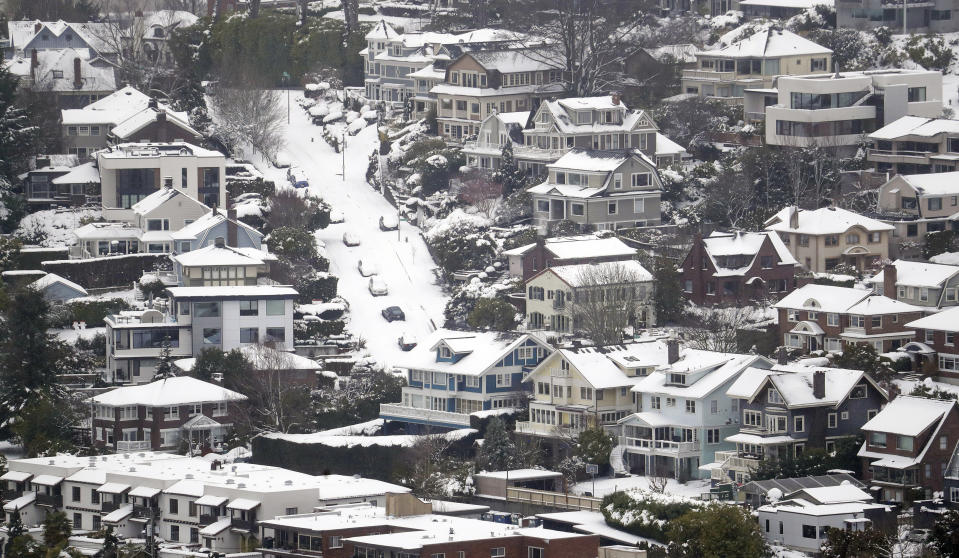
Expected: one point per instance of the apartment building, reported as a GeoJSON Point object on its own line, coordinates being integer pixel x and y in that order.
{"type": "Point", "coordinates": [483, 81]}
{"type": "Point", "coordinates": [836, 110]}
{"type": "Point", "coordinates": [124, 116]}
{"type": "Point", "coordinates": [916, 205]}
{"type": "Point", "coordinates": [558, 298]}
{"type": "Point", "coordinates": [929, 285]}
{"type": "Point", "coordinates": [733, 268]}
{"type": "Point", "coordinates": [908, 446]}
{"type": "Point", "coordinates": [827, 318]}
{"type": "Point", "coordinates": [599, 189]}
{"type": "Point", "coordinates": [752, 63]}
{"type": "Point", "coordinates": [915, 145]}
{"type": "Point", "coordinates": [526, 261]}
{"type": "Point", "coordinates": [824, 238]}
{"type": "Point", "coordinates": [683, 414]}
{"type": "Point", "coordinates": [164, 414]}
{"type": "Point", "coordinates": [935, 346]}
{"type": "Point", "coordinates": [453, 374]}
{"type": "Point", "coordinates": [130, 172]}
{"type": "Point", "coordinates": [576, 389]}
{"type": "Point", "coordinates": [920, 17]}
{"type": "Point", "coordinates": [205, 317]}
{"type": "Point", "coordinates": [558, 126]}
{"type": "Point", "coordinates": [191, 502]}
{"type": "Point", "coordinates": [787, 410]}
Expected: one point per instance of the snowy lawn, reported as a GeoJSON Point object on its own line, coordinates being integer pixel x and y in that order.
{"type": "Point", "coordinates": [54, 227]}
{"type": "Point", "coordinates": [71, 335]}
{"type": "Point", "coordinates": [604, 486]}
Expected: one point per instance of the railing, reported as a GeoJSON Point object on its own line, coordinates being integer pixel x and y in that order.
{"type": "Point", "coordinates": [553, 499]}
{"type": "Point", "coordinates": [394, 410]}
{"type": "Point", "coordinates": [52, 500]}
{"type": "Point", "coordinates": [108, 506]}
{"type": "Point", "coordinates": [207, 519]}
{"type": "Point", "coordinates": [892, 153]}
{"type": "Point", "coordinates": [531, 151]}
{"type": "Point", "coordinates": [755, 116]}
{"type": "Point", "coordinates": [664, 445]}
{"type": "Point", "coordinates": [9, 494]}
{"type": "Point", "coordinates": [709, 74]}
{"type": "Point", "coordinates": [245, 524]}
{"type": "Point", "coordinates": [145, 512]}
{"type": "Point", "coordinates": [133, 445]}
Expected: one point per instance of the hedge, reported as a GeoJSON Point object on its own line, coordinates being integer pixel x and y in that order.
{"type": "Point", "coordinates": [109, 271]}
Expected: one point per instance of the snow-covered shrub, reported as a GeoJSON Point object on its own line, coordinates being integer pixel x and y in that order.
{"type": "Point", "coordinates": [645, 513]}
{"type": "Point", "coordinates": [461, 241]}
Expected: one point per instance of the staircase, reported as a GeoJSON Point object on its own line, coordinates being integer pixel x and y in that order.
{"type": "Point", "coordinates": [617, 460]}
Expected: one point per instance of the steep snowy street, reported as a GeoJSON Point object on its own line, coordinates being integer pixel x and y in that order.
{"type": "Point", "coordinates": [404, 263]}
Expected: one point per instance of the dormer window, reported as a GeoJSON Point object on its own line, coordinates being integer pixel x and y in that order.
{"type": "Point", "coordinates": [445, 352]}
{"type": "Point", "coordinates": [679, 379]}
{"type": "Point", "coordinates": [583, 117]}
{"type": "Point", "coordinates": [774, 397]}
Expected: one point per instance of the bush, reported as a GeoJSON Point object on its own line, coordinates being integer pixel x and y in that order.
{"type": "Point", "coordinates": [296, 245]}
{"type": "Point", "coordinates": [236, 187]}
{"type": "Point", "coordinates": [492, 313]}
{"type": "Point", "coordinates": [153, 288]}
{"type": "Point", "coordinates": [318, 286]}
{"type": "Point", "coordinates": [645, 513]}
{"type": "Point", "coordinates": [90, 312]}
{"type": "Point", "coordinates": [316, 329]}
{"type": "Point", "coordinates": [461, 242]}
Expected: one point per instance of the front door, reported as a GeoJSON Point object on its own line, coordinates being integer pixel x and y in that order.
{"type": "Point", "coordinates": [813, 344]}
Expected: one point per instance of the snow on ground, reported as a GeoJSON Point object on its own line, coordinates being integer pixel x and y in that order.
{"type": "Point", "coordinates": [55, 225]}
{"type": "Point", "coordinates": [408, 24]}
{"type": "Point", "coordinates": [403, 260]}
{"type": "Point", "coordinates": [906, 386]}
{"type": "Point", "coordinates": [604, 486]}
{"type": "Point", "coordinates": [355, 440]}
{"type": "Point", "coordinates": [71, 335]}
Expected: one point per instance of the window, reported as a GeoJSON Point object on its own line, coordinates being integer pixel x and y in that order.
{"type": "Point", "coordinates": [818, 65]}
{"type": "Point", "coordinates": [275, 307]}
{"type": "Point", "coordinates": [211, 336]}
{"type": "Point", "coordinates": [158, 224]}
{"type": "Point", "coordinates": [249, 307]}
{"type": "Point", "coordinates": [503, 380]}
{"type": "Point", "coordinates": [688, 286]}
{"type": "Point", "coordinates": [935, 204]}
{"type": "Point", "coordinates": [904, 443]}
{"type": "Point", "coordinates": [174, 532]}
{"type": "Point", "coordinates": [690, 406]}
{"type": "Point", "coordinates": [774, 397]}
{"type": "Point", "coordinates": [670, 401]}
{"type": "Point", "coordinates": [877, 439]}
{"type": "Point", "coordinates": [96, 523]}
{"type": "Point", "coordinates": [832, 319]}
{"type": "Point", "coordinates": [639, 206]}
{"type": "Point", "coordinates": [713, 406]}
{"type": "Point", "coordinates": [77, 520]}
{"type": "Point", "coordinates": [75, 494]}
{"type": "Point", "coordinates": [712, 436]}
{"type": "Point", "coordinates": [206, 309]}
{"type": "Point", "coordinates": [276, 334]}
{"type": "Point", "coordinates": [876, 321]}
{"type": "Point", "coordinates": [832, 240]}
{"type": "Point", "coordinates": [174, 506]}
{"type": "Point", "coordinates": [497, 552]}
{"type": "Point", "coordinates": [924, 294]}
{"type": "Point", "coordinates": [916, 94]}
{"type": "Point", "coordinates": [577, 209]}
{"type": "Point", "coordinates": [542, 205]}
{"type": "Point", "coordinates": [94, 496]}
{"type": "Point", "coordinates": [799, 423]}
{"type": "Point", "coordinates": [335, 541]}
{"type": "Point", "coordinates": [534, 552]}
{"type": "Point", "coordinates": [852, 238]}
{"type": "Point", "coordinates": [792, 315]}
{"type": "Point", "coordinates": [831, 420]}
{"type": "Point", "coordinates": [809, 531]}
{"type": "Point", "coordinates": [858, 392]}
{"type": "Point", "coordinates": [171, 413]}
{"type": "Point", "coordinates": [586, 393]}
{"type": "Point", "coordinates": [752, 418]}
{"type": "Point", "coordinates": [639, 179]}
{"type": "Point", "coordinates": [857, 321]}
{"type": "Point", "coordinates": [655, 402]}
{"type": "Point", "coordinates": [611, 208]}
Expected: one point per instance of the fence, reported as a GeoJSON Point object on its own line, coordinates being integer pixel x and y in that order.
{"type": "Point", "coordinates": [553, 499]}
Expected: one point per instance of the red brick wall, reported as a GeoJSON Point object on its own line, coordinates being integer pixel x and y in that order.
{"type": "Point", "coordinates": [692, 270]}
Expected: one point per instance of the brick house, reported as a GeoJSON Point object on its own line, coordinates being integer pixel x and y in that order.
{"type": "Point", "coordinates": [158, 415]}
{"type": "Point", "coordinates": [526, 261]}
{"type": "Point", "coordinates": [732, 268]}
{"type": "Point", "coordinates": [936, 342]}
{"type": "Point", "coordinates": [823, 317]}
{"type": "Point", "coordinates": [908, 446]}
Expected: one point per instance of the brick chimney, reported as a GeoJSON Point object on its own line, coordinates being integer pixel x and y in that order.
{"type": "Point", "coordinates": [819, 384]}
{"type": "Point", "coordinates": [672, 350]}
{"type": "Point", "coordinates": [37, 27]}
{"type": "Point", "coordinates": [782, 357]}
{"type": "Point", "coordinates": [889, 277]}
{"type": "Point", "coordinates": [616, 96]}
{"type": "Point", "coordinates": [77, 78]}
{"type": "Point", "coordinates": [893, 391]}
{"type": "Point", "coordinates": [793, 217]}
{"type": "Point", "coordinates": [231, 228]}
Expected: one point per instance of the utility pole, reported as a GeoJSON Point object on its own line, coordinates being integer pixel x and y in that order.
{"type": "Point", "coordinates": [904, 9]}
{"type": "Point", "coordinates": [343, 151]}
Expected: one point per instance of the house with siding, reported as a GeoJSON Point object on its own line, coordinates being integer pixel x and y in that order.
{"type": "Point", "coordinates": [915, 145]}
{"type": "Point", "coordinates": [599, 189]}
{"type": "Point", "coordinates": [908, 447]}
{"type": "Point", "coordinates": [69, 77]}
{"type": "Point", "coordinates": [916, 205]}
{"type": "Point", "coordinates": [210, 226]}
{"type": "Point", "coordinates": [24, 36]}
{"type": "Point", "coordinates": [452, 374]}
{"type": "Point", "coordinates": [683, 414]}
{"type": "Point", "coordinates": [786, 410]}
{"type": "Point", "coordinates": [526, 261]}
{"type": "Point", "coordinates": [929, 285]}
{"type": "Point", "coordinates": [935, 346]}
{"type": "Point", "coordinates": [733, 268]}
{"type": "Point", "coordinates": [823, 317]}
{"type": "Point", "coordinates": [556, 296]}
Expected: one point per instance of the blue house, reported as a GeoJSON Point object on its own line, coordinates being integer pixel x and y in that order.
{"type": "Point", "coordinates": [453, 374]}
{"type": "Point", "coordinates": [216, 224]}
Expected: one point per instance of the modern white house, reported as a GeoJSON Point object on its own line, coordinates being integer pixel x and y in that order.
{"type": "Point", "coordinates": [683, 413]}
{"type": "Point", "coordinates": [453, 374]}
{"type": "Point", "coordinates": [915, 145]}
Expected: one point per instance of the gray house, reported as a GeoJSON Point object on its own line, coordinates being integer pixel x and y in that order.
{"type": "Point", "coordinates": [216, 224]}
{"type": "Point", "coordinates": [602, 189]}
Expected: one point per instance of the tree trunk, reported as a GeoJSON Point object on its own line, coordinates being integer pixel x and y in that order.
{"type": "Point", "coordinates": [254, 8]}
{"type": "Point", "coordinates": [304, 4]}
{"type": "Point", "coordinates": [350, 16]}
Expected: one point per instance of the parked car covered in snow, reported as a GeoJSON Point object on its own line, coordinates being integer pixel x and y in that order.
{"type": "Point", "coordinates": [406, 342]}
{"type": "Point", "coordinates": [378, 287]}
{"type": "Point", "coordinates": [389, 223]}
{"type": "Point", "coordinates": [336, 216]}
{"type": "Point", "coordinates": [367, 268]}
{"type": "Point", "coordinates": [350, 239]}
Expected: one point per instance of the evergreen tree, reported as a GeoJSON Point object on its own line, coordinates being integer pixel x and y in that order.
{"type": "Point", "coordinates": [668, 295]}
{"type": "Point", "coordinates": [498, 448]}
{"type": "Point", "coordinates": [56, 530]}
{"type": "Point", "coordinates": [595, 445]}
{"type": "Point", "coordinates": [945, 534]}
{"type": "Point", "coordinates": [16, 131]}
{"type": "Point", "coordinates": [164, 367]}
{"type": "Point", "coordinates": [841, 543]}
{"type": "Point", "coordinates": [716, 530]}
{"type": "Point", "coordinates": [509, 174]}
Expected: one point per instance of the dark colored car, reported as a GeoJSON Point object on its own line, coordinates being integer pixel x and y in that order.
{"type": "Point", "coordinates": [393, 313]}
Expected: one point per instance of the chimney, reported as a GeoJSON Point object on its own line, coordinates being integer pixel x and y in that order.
{"type": "Point", "coordinates": [218, 242]}
{"type": "Point", "coordinates": [819, 384]}
{"type": "Point", "coordinates": [161, 116]}
{"type": "Point", "coordinates": [152, 103]}
{"type": "Point", "coordinates": [889, 277]}
{"type": "Point", "coordinates": [616, 95]}
{"type": "Point", "coordinates": [893, 391]}
{"type": "Point", "coordinates": [37, 27]}
{"type": "Point", "coordinates": [672, 350]}
{"type": "Point", "coordinates": [77, 78]}
{"type": "Point", "coordinates": [782, 357]}
{"type": "Point", "coordinates": [231, 228]}
{"type": "Point", "coordinates": [34, 61]}
{"type": "Point", "coordinates": [793, 217]}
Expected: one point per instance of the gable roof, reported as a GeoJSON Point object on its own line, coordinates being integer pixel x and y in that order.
{"type": "Point", "coordinates": [222, 255]}
{"type": "Point", "coordinates": [160, 197]}
{"type": "Point", "coordinates": [603, 367]}
{"type": "Point", "coordinates": [768, 43]}
{"type": "Point", "coordinates": [827, 298]}
{"type": "Point", "coordinates": [795, 384]}
{"type": "Point", "coordinates": [933, 184]}
{"type": "Point", "coordinates": [909, 416]}
{"type": "Point", "coordinates": [743, 243]}
{"type": "Point", "coordinates": [716, 369]}
{"type": "Point", "coordinates": [482, 349]}
{"type": "Point", "coordinates": [92, 78]}
{"type": "Point", "coordinates": [947, 320]}
{"type": "Point", "coordinates": [206, 222]}
{"type": "Point", "coordinates": [81, 174]}
{"type": "Point", "coordinates": [562, 109]}
{"type": "Point", "coordinates": [916, 126]}
{"type": "Point", "coordinates": [580, 246]}
{"type": "Point", "coordinates": [51, 279]}
{"type": "Point", "coordinates": [179, 390]}
{"type": "Point", "coordinates": [825, 220]}
{"type": "Point", "coordinates": [95, 34]}
{"type": "Point", "coordinates": [381, 30]}
{"type": "Point", "coordinates": [598, 160]}
{"type": "Point", "coordinates": [918, 274]}
{"type": "Point", "coordinates": [514, 60]}
{"type": "Point", "coordinates": [588, 275]}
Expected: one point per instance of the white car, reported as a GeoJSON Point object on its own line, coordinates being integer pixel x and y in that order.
{"type": "Point", "coordinates": [389, 222]}
{"type": "Point", "coordinates": [336, 216]}
{"type": "Point", "coordinates": [367, 268]}
{"type": "Point", "coordinates": [282, 160]}
{"type": "Point", "coordinates": [378, 287]}
{"type": "Point", "coordinates": [350, 239]}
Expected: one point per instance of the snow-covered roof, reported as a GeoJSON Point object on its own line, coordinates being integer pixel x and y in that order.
{"type": "Point", "coordinates": [768, 43]}
{"type": "Point", "coordinates": [795, 384]}
{"type": "Point", "coordinates": [841, 493]}
{"type": "Point", "coordinates": [909, 416]}
{"type": "Point", "coordinates": [877, 305]}
{"type": "Point", "coordinates": [564, 111]}
{"type": "Point", "coordinates": [221, 255]}
{"type": "Point", "coordinates": [933, 184]}
{"type": "Point", "coordinates": [742, 243]}
{"type": "Point", "coordinates": [96, 34]}
{"type": "Point", "coordinates": [168, 19]}
{"type": "Point", "coordinates": [216, 527]}
{"type": "Point", "coordinates": [916, 126]}
{"type": "Point", "coordinates": [804, 507]}
{"type": "Point", "coordinates": [231, 292]}
{"type": "Point", "coordinates": [581, 246]}
{"type": "Point", "coordinates": [125, 107]}
{"type": "Point", "coordinates": [144, 491]}
{"type": "Point", "coordinates": [381, 30]}
{"type": "Point", "coordinates": [15, 476]}
{"type": "Point", "coordinates": [20, 502]}
{"type": "Point", "coordinates": [158, 149]}
{"type": "Point", "coordinates": [206, 222]}
{"type": "Point", "coordinates": [597, 160]}
{"type": "Point", "coordinates": [263, 358]}
{"type": "Point", "coordinates": [825, 220]}
{"type": "Point", "coordinates": [481, 350]}
{"type": "Point", "coordinates": [796, 4]}
{"type": "Point", "coordinates": [52, 279]}
{"type": "Point", "coordinates": [161, 196]}
{"type": "Point", "coordinates": [680, 53]}
{"type": "Point", "coordinates": [180, 390]}
{"type": "Point", "coordinates": [515, 118]}
{"type": "Point", "coordinates": [520, 474]}
{"type": "Point", "coordinates": [666, 146]}
{"type": "Point", "coordinates": [55, 71]}
{"type": "Point", "coordinates": [515, 60]}
{"type": "Point", "coordinates": [716, 368]}
{"type": "Point", "coordinates": [108, 230]}
{"type": "Point", "coordinates": [82, 174]}
{"type": "Point", "coordinates": [823, 298]}
{"type": "Point", "coordinates": [946, 320]}
{"type": "Point", "coordinates": [145, 117]}
{"type": "Point", "coordinates": [606, 273]}
{"type": "Point", "coordinates": [918, 274]}
{"type": "Point", "coordinates": [604, 367]}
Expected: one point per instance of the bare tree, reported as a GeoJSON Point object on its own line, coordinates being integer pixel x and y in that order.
{"type": "Point", "coordinates": [482, 192]}
{"type": "Point", "coordinates": [606, 300]}
{"type": "Point", "coordinates": [717, 329]}
{"type": "Point", "coordinates": [275, 404]}
{"type": "Point", "coordinates": [248, 117]}
{"type": "Point", "coordinates": [658, 483]}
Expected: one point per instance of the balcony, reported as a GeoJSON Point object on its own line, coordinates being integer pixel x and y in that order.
{"type": "Point", "coordinates": [426, 416]}
{"type": "Point", "coordinates": [670, 447]}
{"type": "Point", "coordinates": [891, 156]}
{"type": "Point", "coordinates": [539, 429]}
{"type": "Point", "coordinates": [51, 500]}
{"type": "Point", "coordinates": [709, 75]}
{"type": "Point", "coordinates": [244, 524]}
{"type": "Point", "coordinates": [146, 512]}
{"type": "Point", "coordinates": [208, 519]}
{"type": "Point", "coordinates": [133, 445]}
{"type": "Point", "coordinates": [108, 506]}
{"type": "Point", "coordinates": [9, 494]}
